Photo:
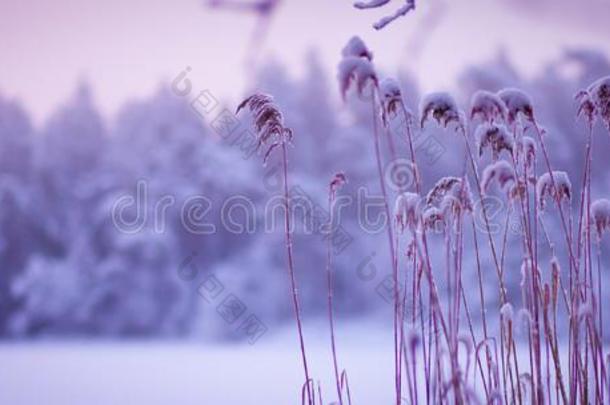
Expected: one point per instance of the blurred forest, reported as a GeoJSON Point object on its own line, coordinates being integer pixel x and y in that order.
{"type": "Point", "coordinates": [67, 270]}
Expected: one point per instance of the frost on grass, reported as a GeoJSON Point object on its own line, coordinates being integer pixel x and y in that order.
{"type": "Point", "coordinates": [518, 104]}
{"type": "Point", "coordinates": [496, 138]}
{"type": "Point", "coordinates": [442, 108]}
{"type": "Point", "coordinates": [488, 107]}
{"type": "Point", "coordinates": [557, 187]}
{"type": "Point", "coordinates": [600, 215]}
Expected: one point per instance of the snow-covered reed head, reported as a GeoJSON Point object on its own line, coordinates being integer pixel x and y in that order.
{"type": "Point", "coordinates": [496, 138]}
{"type": "Point", "coordinates": [586, 106]}
{"type": "Point", "coordinates": [433, 218]}
{"type": "Point", "coordinates": [442, 108]}
{"type": "Point", "coordinates": [517, 104]}
{"type": "Point", "coordinates": [338, 180]}
{"type": "Point", "coordinates": [457, 200]}
{"type": "Point", "coordinates": [594, 102]}
{"type": "Point", "coordinates": [356, 48]}
{"type": "Point", "coordinates": [356, 67]}
{"type": "Point", "coordinates": [600, 215]}
{"type": "Point", "coordinates": [407, 210]}
{"type": "Point", "coordinates": [391, 97]}
{"type": "Point", "coordinates": [452, 195]}
{"type": "Point", "coordinates": [560, 190]}
{"type": "Point", "coordinates": [526, 149]}
{"type": "Point", "coordinates": [268, 122]}
{"type": "Point", "coordinates": [358, 72]}
{"type": "Point", "coordinates": [488, 107]}
{"type": "Point", "coordinates": [507, 312]}
{"type": "Point", "coordinates": [441, 188]}
{"type": "Point", "coordinates": [501, 172]}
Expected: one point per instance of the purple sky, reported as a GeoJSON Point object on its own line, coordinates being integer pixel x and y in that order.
{"type": "Point", "coordinates": [124, 48]}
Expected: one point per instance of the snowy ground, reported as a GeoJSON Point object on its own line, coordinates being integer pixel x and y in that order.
{"type": "Point", "coordinates": [193, 373]}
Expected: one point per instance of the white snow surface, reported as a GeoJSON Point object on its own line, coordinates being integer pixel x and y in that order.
{"type": "Point", "coordinates": [152, 373]}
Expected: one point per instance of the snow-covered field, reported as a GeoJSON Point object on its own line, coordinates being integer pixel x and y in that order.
{"type": "Point", "coordinates": [193, 373]}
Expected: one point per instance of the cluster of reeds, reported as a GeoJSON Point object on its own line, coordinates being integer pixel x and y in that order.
{"type": "Point", "coordinates": [512, 351]}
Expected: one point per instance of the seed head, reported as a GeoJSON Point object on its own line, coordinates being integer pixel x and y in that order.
{"type": "Point", "coordinates": [518, 104]}
{"type": "Point", "coordinates": [526, 147]}
{"type": "Point", "coordinates": [488, 107]}
{"type": "Point", "coordinates": [336, 183]}
{"type": "Point", "coordinates": [391, 98]}
{"type": "Point", "coordinates": [594, 102]}
{"type": "Point", "coordinates": [268, 122]}
{"type": "Point", "coordinates": [356, 47]}
{"type": "Point", "coordinates": [496, 137]}
{"type": "Point", "coordinates": [600, 215]}
{"type": "Point", "coordinates": [407, 210]}
{"type": "Point", "coordinates": [457, 200]}
{"type": "Point", "coordinates": [586, 106]}
{"type": "Point", "coordinates": [507, 312]}
{"type": "Point", "coordinates": [433, 218]}
{"type": "Point", "coordinates": [442, 108]}
{"type": "Point", "coordinates": [355, 71]}
{"type": "Point", "coordinates": [501, 172]}
{"type": "Point", "coordinates": [561, 190]}
{"type": "Point", "coordinates": [440, 189]}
